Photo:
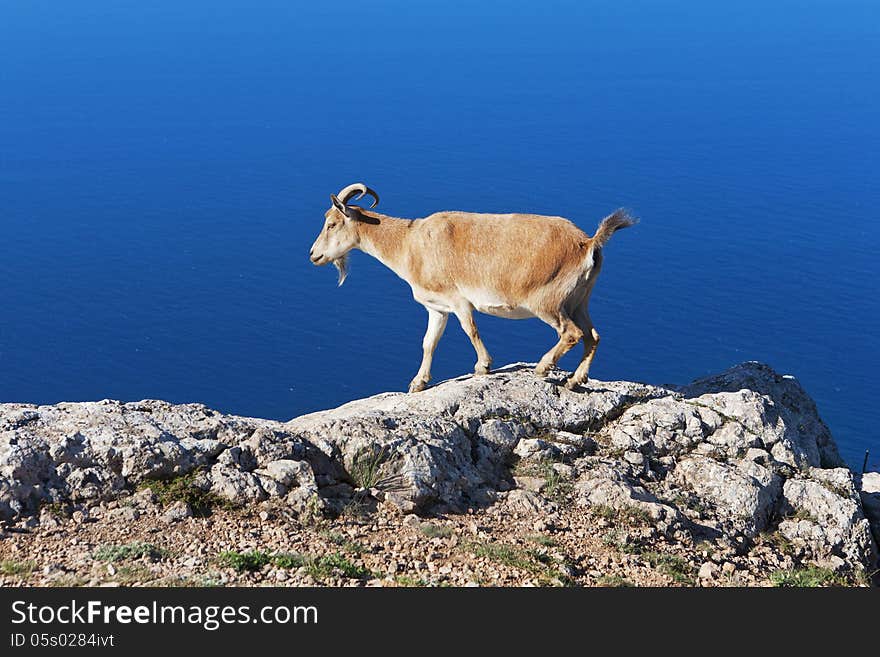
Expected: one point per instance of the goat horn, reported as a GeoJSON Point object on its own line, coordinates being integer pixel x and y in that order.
{"type": "Point", "coordinates": [346, 193]}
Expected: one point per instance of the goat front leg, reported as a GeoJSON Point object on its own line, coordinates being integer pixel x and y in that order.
{"type": "Point", "coordinates": [436, 326]}
{"type": "Point", "coordinates": [469, 326]}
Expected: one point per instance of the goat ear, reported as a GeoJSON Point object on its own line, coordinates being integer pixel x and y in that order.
{"type": "Point", "coordinates": [338, 204]}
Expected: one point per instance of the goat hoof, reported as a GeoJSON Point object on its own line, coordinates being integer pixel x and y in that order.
{"type": "Point", "coordinates": [480, 370]}
{"type": "Point", "coordinates": [417, 386]}
{"type": "Point", "coordinates": [541, 372]}
{"type": "Point", "coordinates": [571, 384]}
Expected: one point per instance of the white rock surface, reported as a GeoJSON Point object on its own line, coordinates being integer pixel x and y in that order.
{"type": "Point", "coordinates": [727, 456]}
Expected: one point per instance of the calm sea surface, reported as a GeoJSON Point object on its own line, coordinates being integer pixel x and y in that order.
{"type": "Point", "coordinates": [165, 166]}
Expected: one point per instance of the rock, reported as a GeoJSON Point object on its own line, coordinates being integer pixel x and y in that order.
{"type": "Point", "coordinates": [742, 493]}
{"type": "Point", "coordinates": [291, 473]}
{"type": "Point", "coordinates": [760, 456]}
{"type": "Point", "coordinates": [412, 520]}
{"type": "Point", "coordinates": [790, 417]}
{"type": "Point", "coordinates": [605, 486]}
{"type": "Point", "coordinates": [532, 484]}
{"type": "Point", "coordinates": [144, 496]}
{"type": "Point", "coordinates": [869, 495]}
{"type": "Point", "coordinates": [125, 514]}
{"type": "Point", "coordinates": [526, 502]}
{"type": "Point", "coordinates": [236, 485]}
{"type": "Point", "coordinates": [176, 512]}
{"type": "Point", "coordinates": [708, 570]}
{"type": "Point", "coordinates": [537, 449]}
{"type": "Point", "coordinates": [725, 456]}
{"type": "Point", "coordinates": [825, 516]}
{"type": "Point", "coordinates": [834, 564]}
{"type": "Point", "coordinates": [49, 520]}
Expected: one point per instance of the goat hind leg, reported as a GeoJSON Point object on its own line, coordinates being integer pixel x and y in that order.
{"type": "Point", "coordinates": [569, 336]}
{"type": "Point", "coordinates": [591, 342]}
{"type": "Point", "coordinates": [436, 326]}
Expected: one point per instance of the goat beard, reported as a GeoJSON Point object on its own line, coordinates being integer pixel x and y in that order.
{"type": "Point", "coordinates": [341, 265]}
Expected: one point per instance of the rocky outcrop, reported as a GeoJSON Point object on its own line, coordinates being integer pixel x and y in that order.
{"type": "Point", "coordinates": [729, 457]}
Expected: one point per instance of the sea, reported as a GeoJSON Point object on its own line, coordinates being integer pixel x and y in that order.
{"type": "Point", "coordinates": [165, 167]}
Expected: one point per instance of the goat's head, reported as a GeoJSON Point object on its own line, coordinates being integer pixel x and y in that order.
{"type": "Point", "coordinates": [340, 234]}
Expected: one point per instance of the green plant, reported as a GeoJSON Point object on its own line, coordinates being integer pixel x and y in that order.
{"type": "Point", "coordinates": [614, 581]}
{"type": "Point", "coordinates": [127, 575]}
{"type": "Point", "coordinates": [185, 489]}
{"type": "Point", "coordinates": [288, 560]}
{"type": "Point", "coordinates": [809, 576]}
{"type": "Point", "coordinates": [631, 515]}
{"type": "Point", "coordinates": [540, 539]}
{"type": "Point", "coordinates": [803, 514]}
{"type": "Point", "coordinates": [134, 550]}
{"type": "Point", "coordinates": [340, 539]}
{"type": "Point", "coordinates": [671, 565]}
{"type": "Point", "coordinates": [779, 541]}
{"type": "Point", "coordinates": [313, 513]}
{"type": "Point", "coordinates": [68, 581]}
{"type": "Point", "coordinates": [57, 509]}
{"type": "Point", "coordinates": [436, 531]}
{"type": "Point", "coordinates": [408, 581]}
{"type": "Point", "coordinates": [242, 561]}
{"type": "Point", "coordinates": [692, 502]}
{"type": "Point", "coordinates": [558, 486]}
{"type": "Point", "coordinates": [323, 567]}
{"type": "Point", "coordinates": [604, 511]}
{"type": "Point", "coordinates": [357, 508]}
{"type": "Point", "coordinates": [545, 568]}
{"type": "Point", "coordinates": [365, 467]}
{"type": "Point", "coordinates": [19, 568]}
{"type": "Point", "coordinates": [621, 541]}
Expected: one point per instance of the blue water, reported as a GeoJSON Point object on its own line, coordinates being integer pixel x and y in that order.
{"type": "Point", "coordinates": [165, 166]}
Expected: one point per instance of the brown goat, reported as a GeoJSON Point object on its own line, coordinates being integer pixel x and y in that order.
{"type": "Point", "coordinates": [508, 265]}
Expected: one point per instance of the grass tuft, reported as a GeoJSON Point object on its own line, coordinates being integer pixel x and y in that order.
{"type": "Point", "coordinates": [184, 489]}
{"type": "Point", "coordinates": [540, 539]}
{"type": "Point", "coordinates": [807, 577]}
{"type": "Point", "coordinates": [672, 565]}
{"type": "Point", "coordinates": [544, 567]}
{"type": "Point", "coordinates": [436, 531]}
{"type": "Point", "coordinates": [409, 581]}
{"type": "Point", "coordinates": [134, 550]}
{"type": "Point", "coordinates": [340, 539]}
{"type": "Point", "coordinates": [614, 581]}
{"type": "Point", "coordinates": [18, 568]}
{"type": "Point", "coordinates": [323, 567]}
{"type": "Point", "coordinates": [256, 559]}
{"type": "Point", "coordinates": [365, 468]}
{"type": "Point", "coordinates": [631, 515]}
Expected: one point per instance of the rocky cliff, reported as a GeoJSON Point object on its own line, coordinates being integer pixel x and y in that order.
{"type": "Point", "coordinates": [729, 460]}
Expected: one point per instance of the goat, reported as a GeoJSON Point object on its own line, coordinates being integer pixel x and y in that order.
{"type": "Point", "coordinates": [508, 265]}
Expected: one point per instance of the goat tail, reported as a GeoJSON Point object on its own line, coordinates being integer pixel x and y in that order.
{"type": "Point", "coordinates": [620, 218]}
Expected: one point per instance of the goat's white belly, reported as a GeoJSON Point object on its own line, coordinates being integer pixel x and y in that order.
{"type": "Point", "coordinates": [492, 305]}
{"type": "Point", "coordinates": [507, 312]}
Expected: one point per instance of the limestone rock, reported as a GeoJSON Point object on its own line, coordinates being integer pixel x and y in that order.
{"type": "Point", "coordinates": [742, 492]}
{"type": "Point", "coordinates": [825, 515]}
{"type": "Point", "coordinates": [728, 456]}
